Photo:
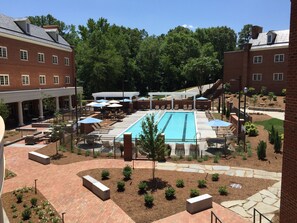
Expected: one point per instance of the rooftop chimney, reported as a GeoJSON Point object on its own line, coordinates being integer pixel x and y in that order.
{"type": "Point", "coordinates": [255, 31]}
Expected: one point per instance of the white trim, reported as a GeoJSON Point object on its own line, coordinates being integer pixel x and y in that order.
{"type": "Point", "coordinates": [67, 79]}
{"type": "Point", "coordinates": [24, 39]}
{"type": "Point", "coordinates": [276, 76]}
{"type": "Point", "coordinates": [270, 47]}
{"type": "Point", "coordinates": [53, 61]}
{"type": "Point", "coordinates": [4, 47]}
{"type": "Point", "coordinates": [22, 80]}
{"type": "Point", "coordinates": [67, 61]}
{"type": "Point", "coordinates": [44, 77]}
{"type": "Point", "coordinates": [40, 61]}
{"type": "Point", "coordinates": [279, 55]}
{"type": "Point", "coordinates": [258, 60]}
{"type": "Point", "coordinates": [8, 82]}
{"type": "Point", "coordinates": [56, 77]}
{"type": "Point", "coordinates": [257, 77]}
{"type": "Point", "coordinates": [23, 53]}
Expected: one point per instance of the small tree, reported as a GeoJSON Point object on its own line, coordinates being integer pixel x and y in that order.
{"type": "Point", "coordinates": [277, 143]}
{"type": "Point", "coordinates": [270, 96]}
{"type": "Point", "coordinates": [254, 99]}
{"type": "Point", "coordinates": [271, 135]}
{"type": "Point", "coordinates": [261, 150]}
{"type": "Point", "coordinates": [151, 141]}
{"type": "Point", "coordinates": [4, 112]}
{"type": "Point", "coordinates": [263, 90]}
{"type": "Point", "coordinates": [284, 91]}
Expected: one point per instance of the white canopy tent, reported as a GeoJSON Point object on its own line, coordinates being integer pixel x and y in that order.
{"type": "Point", "coordinates": [173, 95]}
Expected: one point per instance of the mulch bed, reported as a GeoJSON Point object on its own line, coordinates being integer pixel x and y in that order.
{"type": "Point", "coordinates": [133, 203]}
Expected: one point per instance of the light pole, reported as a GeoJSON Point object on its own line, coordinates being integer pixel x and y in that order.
{"type": "Point", "coordinates": [245, 90]}
{"type": "Point", "coordinates": [185, 89]}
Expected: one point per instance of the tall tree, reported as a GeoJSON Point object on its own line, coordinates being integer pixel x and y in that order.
{"type": "Point", "coordinates": [244, 35]}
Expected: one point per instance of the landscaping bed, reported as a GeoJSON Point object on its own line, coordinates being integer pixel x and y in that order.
{"type": "Point", "coordinates": [19, 203]}
{"type": "Point", "coordinates": [132, 202]}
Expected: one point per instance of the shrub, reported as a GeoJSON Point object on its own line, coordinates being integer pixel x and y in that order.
{"type": "Point", "coordinates": [284, 91]}
{"type": "Point", "coordinates": [87, 153]}
{"type": "Point", "coordinates": [215, 177]}
{"type": "Point", "coordinates": [249, 150]}
{"type": "Point", "coordinates": [19, 197]}
{"type": "Point", "coordinates": [201, 183]}
{"type": "Point", "coordinates": [216, 158]}
{"type": "Point", "coordinates": [271, 135]}
{"type": "Point", "coordinates": [127, 168]}
{"type": "Point", "coordinates": [251, 91]}
{"type": "Point", "coordinates": [170, 193]}
{"type": "Point", "coordinates": [277, 143]}
{"type": "Point", "coordinates": [148, 200]}
{"type": "Point", "coordinates": [26, 214]}
{"type": "Point", "coordinates": [189, 158]}
{"type": "Point", "coordinates": [127, 174]}
{"type": "Point", "coordinates": [223, 190]}
{"type": "Point", "coordinates": [274, 98]}
{"type": "Point", "coordinates": [175, 158]}
{"type": "Point", "coordinates": [104, 174]}
{"type": "Point", "coordinates": [263, 90]}
{"type": "Point", "coordinates": [205, 157]}
{"type": "Point", "coordinates": [109, 154]}
{"type": "Point", "coordinates": [33, 202]}
{"type": "Point", "coordinates": [194, 193]}
{"type": "Point", "coordinates": [200, 160]}
{"type": "Point", "coordinates": [261, 150]}
{"type": "Point", "coordinates": [121, 185]}
{"type": "Point", "coordinates": [270, 96]}
{"type": "Point", "coordinates": [180, 183]}
{"type": "Point", "coordinates": [142, 186]}
{"type": "Point", "coordinates": [79, 151]}
{"type": "Point", "coordinates": [96, 154]}
{"type": "Point", "coordinates": [251, 129]}
{"type": "Point", "coordinates": [244, 157]}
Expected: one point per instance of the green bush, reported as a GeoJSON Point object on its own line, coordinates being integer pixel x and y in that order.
{"type": "Point", "coordinates": [284, 91]}
{"type": "Point", "coordinates": [26, 214]}
{"type": "Point", "coordinates": [263, 90]}
{"type": "Point", "coordinates": [271, 95]}
{"type": "Point", "coordinates": [200, 160]}
{"type": "Point", "coordinates": [127, 174]}
{"type": "Point", "coordinates": [261, 150]}
{"type": "Point", "coordinates": [109, 154]}
{"type": "Point", "coordinates": [205, 157]}
{"type": "Point", "coordinates": [87, 153]}
{"type": "Point", "coordinates": [271, 135]}
{"type": "Point", "coordinates": [180, 183]}
{"type": "Point", "coordinates": [223, 190]}
{"type": "Point", "coordinates": [215, 177]}
{"type": "Point", "coordinates": [201, 183]}
{"type": "Point", "coordinates": [79, 151]}
{"type": "Point", "coordinates": [251, 129]}
{"type": "Point", "coordinates": [189, 158]}
{"type": "Point", "coordinates": [249, 150]}
{"type": "Point", "coordinates": [96, 154]}
{"type": "Point", "coordinates": [121, 185]}
{"type": "Point", "coordinates": [216, 158]}
{"type": "Point", "coordinates": [170, 193]}
{"type": "Point", "coordinates": [148, 200]}
{"type": "Point", "coordinates": [19, 197]}
{"type": "Point", "coordinates": [127, 168]}
{"type": "Point", "coordinates": [33, 202]}
{"type": "Point", "coordinates": [194, 193]}
{"type": "Point", "coordinates": [142, 186]}
{"type": "Point", "coordinates": [277, 143]}
{"type": "Point", "coordinates": [104, 174]}
{"type": "Point", "coordinates": [244, 157]}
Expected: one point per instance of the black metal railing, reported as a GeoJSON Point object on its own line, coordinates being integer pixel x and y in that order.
{"type": "Point", "coordinates": [260, 217]}
{"type": "Point", "coordinates": [214, 218]}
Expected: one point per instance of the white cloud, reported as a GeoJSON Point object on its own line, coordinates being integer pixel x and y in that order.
{"type": "Point", "coordinates": [188, 26]}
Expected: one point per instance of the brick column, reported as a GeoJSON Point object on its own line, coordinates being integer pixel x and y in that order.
{"type": "Point", "coordinates": [128, 146]}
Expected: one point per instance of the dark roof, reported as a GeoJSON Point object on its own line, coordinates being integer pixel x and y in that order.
{"type": "Point", "coordinates": [9, 26]}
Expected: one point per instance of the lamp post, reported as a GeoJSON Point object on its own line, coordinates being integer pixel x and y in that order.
{"type": "Point", "coordinates": [245, 90]}
{"type": "Point", "coordinates": [185, 89]}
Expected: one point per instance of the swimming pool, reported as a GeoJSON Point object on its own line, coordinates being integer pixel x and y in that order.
{"type": "Point", "coordinates": [177, 127]}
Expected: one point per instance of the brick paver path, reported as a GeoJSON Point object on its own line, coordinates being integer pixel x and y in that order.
{"type": "Point", "coordinates": [63, 188]}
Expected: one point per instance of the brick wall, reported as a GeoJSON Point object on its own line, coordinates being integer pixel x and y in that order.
{"type": "Point", "coordinates": [288, 208]}
{"type": "Point", "coordinates": [15, 67]}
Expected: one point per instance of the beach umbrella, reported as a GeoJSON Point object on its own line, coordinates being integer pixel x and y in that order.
{"type": "Point", "coordinates": [218, 123]}
{"type": "Point", "coordinates": [114, 102]}
{"type": "Point", "coordinates": [201, 98]}
{"type": "Point", "coordinates": [125, 100]}
{"type": "Point", "coordinates": [103, 104]}
{"type": "Point", "coordinates": [142, 99]}
{"type": "Point", "coordinates": [114, 106]}
{"type": "Point", "coordinates": [92, 104]}
{"type": "Point", "coordinates": [90, 120]}
{"type": "Point", "coordinates": [102, 100]}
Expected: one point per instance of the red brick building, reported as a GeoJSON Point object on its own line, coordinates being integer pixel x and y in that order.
{"type": "Point", "coordinates": [262, 62]}
{"type": "Point", "coordinates": [35, 63]}
{"type": "Point", "coordinates": [288, 208]}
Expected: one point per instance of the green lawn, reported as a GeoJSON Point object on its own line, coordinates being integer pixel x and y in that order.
{"type": "Point", "coordinates": [277, 123]}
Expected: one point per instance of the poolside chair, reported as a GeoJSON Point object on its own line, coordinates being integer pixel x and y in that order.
{"type": "Point", "coordinates": [168, 107]}
{"type": "Point", "coordinates": [162, 107]}
{"type": "Point", "coordinates": [185, 107]}
{"type": "Point", "coordinates": [157, 107]}
{"type": "Point", "coordinates": [190, 107]}
{"type": "Point", "coordinates": [107, 147]}
{"type": "Point", "coordinates": [176, 107]}
{"type": "Point", "coordinates": [193, 150]}
{"type": "Point", "coordinates": [180, 150]}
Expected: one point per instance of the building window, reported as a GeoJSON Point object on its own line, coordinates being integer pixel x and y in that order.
{"type": "Point", "coordinates": [258, 59]}
{"type": "Point", "coordinates": [56, 79]}
{"type": "Point", "coordinates": [42, 80]}
{"type": "Point", "coordinates": [66, 61]}
{"type": "Point", "coordinates": [25, 80]}
{"type": "Point", "coordinates": [278, 76]}
{"type": "Point", "coordinates": [24, 54]}
{"type": "Point", "coordinates": [55, 59]}
{"type": "Point", "coordinates": [67, 79]}
{"type": "Point", "coordinates": [279, 58]}
{"type": "Point", "coordinates": [41, 57]}
{"type": "Point", "coordinates": [4, 80]}
{"type": "Point", "coordinates": [3, 52]}
{"type": "Point", "coordinates": [269, 38]}
{"type": "Point", "coordinates": [257, 77]}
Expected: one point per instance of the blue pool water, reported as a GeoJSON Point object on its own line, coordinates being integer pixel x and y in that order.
{"type": "Point", "coordinates": [177, 127]}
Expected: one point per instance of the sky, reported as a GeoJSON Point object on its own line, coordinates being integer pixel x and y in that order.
{"type": "Point", "coordinates": [159, 16]}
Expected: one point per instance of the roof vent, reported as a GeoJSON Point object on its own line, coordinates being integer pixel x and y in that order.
{"type": "Point", "coordinates": [52, 31]}
{"type": "Point", "coordinates": [24, 24]}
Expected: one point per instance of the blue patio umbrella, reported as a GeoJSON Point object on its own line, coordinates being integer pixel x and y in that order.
{"type": "Point", "coordinates": [90, 120]}
{"type": "Point", "coordinates": [201, 98]}
{"type": "Point", "coordinates": [142, 99]}
{"type": "Point", "coordinates": [218, 123]}
{"type": "Point", "coordinates": [102, 100]}
{"type": "Point", "coordinates": [125, 100]}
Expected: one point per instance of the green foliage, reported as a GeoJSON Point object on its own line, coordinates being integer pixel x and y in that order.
{"type": "Point", "coordinates": [121, 186]}
{"type": "Point", "coordinates": [194, 193]}
{"type": "Point", "coordinates": [201, 183]}
{"type": "Point", "coordinates": [276, 123]}
{"type": "Point", "coordinates": [263, 90]}
{"type": "Point", "coordinates": [271, 95]}
{"type": "Point", "coordinates": [148, 200]}
{"type": "Point", "coordinates": [26, 214]}
{"type": "Point", "coordinates": [216, 158]}
{"type": "Point", "coordinates": [271, 135]}
{"type": "Point", "coordinates": [170, 193]}
{"type": "Point", "coordinates": [127, 172]}
{"type": "Point", "coordinates": [223, 190]}
{"type": "Point", "coordinates": [251, 129]}
{"type": "Point", "coordinates": [33, 202]}
{"type": "Point", "coordinates": [127, 168]}
{"type": "Point", "coordinates": [284, 91]}
{"type": "Point", "coordinates": [96, 154]}
{"type": "Point", "coordinates": [205, 157]}
{"type": "Point", "coordinates": [277, 143]}
{"type": "Point", "coordinates": [254, 99]}
{"type": "Point", "coordinates": [110, 154]}
{"type": "Point", "coordinates": [200, 160]}
{"type": "Point", "coordinates": [215, 177]}
{"type": "Point", "coordinates": [104, 174]}
{"type": "Point", "coordinates": [19, 197]}
{"type": "Point", "coordinates": [87, 153]}
{"type": "Point", "coordinates": [244, 157]}
{"type": "Point", "coordinates": [249, 150]}
{"type": "Point", "coordinates": [261, 150]}
{"type": "Point", "coordinates": [251, 91]}
{"type": "Point", "coordinates": [244, 35]}
{"type": "Point", "coordinates": [4, 112]}
{"type": "Point", "coordinates": [142, 186]}
{"type": "Point", "coordinates": [180, 183]}
{"type": "Point", "coordinates": [79, 151]}
{"type": "Point", "coordinates": [189, 158]}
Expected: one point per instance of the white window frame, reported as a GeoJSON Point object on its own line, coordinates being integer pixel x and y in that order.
{"type": "Point", "coordinates": [278, 76]}
{"type": "Point", "coordinates": [3, 52]}
{"type": "Point", "coordinates": [56, 79]}
{"type": "Point", "coordinates": [279, 58]}
{"type": "Point", "coordinates": [55, 59]}
{"type": "Point", "coordinates": [67, 79]}
{"type": "Point", "coordinates": [40, 58]}
{"type": "Point", "coordinates": [4, 80]}
{"type": "Point", "coordinates": [257, 77]}
{"type": "Point", "coordinates": [25, 79]}
{"type": "Point", "coordinates": [24, 55]}
{"type": "Point", "coordinates": [66, 61]}
{"type": "Point", "coordinates": [258, 59]}
{"type": "Point", "coordinates": [269, 38]}
{"type": "Point", "coordinates": [42, 77]}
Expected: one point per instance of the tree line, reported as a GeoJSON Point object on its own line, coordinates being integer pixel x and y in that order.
{"type": "Point", "coordinates": [109, 57]}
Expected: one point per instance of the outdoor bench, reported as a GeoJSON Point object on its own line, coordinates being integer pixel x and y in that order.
{"type": "Point", "coordinates": [40, 158]}
{"type": "Point", "coordinates": [199, 203]}
{"type": "Point", "coordinates": [99, 189]}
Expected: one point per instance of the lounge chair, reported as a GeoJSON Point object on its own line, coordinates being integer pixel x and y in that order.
{"type": "Point", "coordinates": [157, 107]}
{"type": "Point", "coordinates": [176, 107]}
{"type": "Point", "coordinates": [185, 107]}
{"type": "Point", "coordinates": [180, 150]}
{"type": "Point", "coordinates": [168, 107]}
{"type": "Point", "coordinates": [193, 150]}
{"type": "Point", "coordinates": [190, 107]}
{"type": "Point", "coordinates": [107, 147]}
{"type": "Point", "coordinates": [162, 107]}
